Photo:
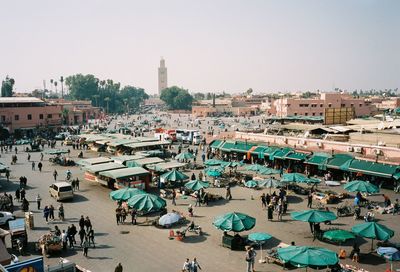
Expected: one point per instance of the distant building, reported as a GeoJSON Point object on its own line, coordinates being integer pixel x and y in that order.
{"type": "Point", "coordinates": [316, 106]}
{"type": "Point", "coordinates": [79, 111]}
{"type": "Point", "coordinates": [162, 77]}
{"type": "Point", "coordinates": [28, 113]}
{"type": "Point", "coordinates": [205, 108]}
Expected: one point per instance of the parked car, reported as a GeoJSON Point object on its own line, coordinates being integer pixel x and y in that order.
{"type": "Point", "coordinates": [5, 217]}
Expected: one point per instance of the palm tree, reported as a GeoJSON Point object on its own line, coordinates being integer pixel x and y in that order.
{"type": "Point", "coordinates": [126, 104]}
{"type": "Point", "coordinates": [107, 99]}
{"type": "Point", "coordinates": [51, 83]}
{"type": "Point", "coordinates": [62, 86]}
{"type": "Point", "coordinates": [55, 85]}
{"type": "Point", "coordinates": [96, 98]}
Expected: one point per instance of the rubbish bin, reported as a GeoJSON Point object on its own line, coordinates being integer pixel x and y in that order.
{"type": "Point", "coordinates": [29, 219]}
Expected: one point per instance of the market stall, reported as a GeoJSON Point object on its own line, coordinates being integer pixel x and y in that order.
{"type": "Point", "coordinates": [133, 177]}
{"type": "Point", "coordinates": [92, 171]}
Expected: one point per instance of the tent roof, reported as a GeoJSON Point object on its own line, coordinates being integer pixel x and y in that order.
{"type": "Point", "coordinates": [124, 173]}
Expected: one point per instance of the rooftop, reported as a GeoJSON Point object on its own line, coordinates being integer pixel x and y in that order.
{"type": "Point", "coordinates": [20, 100]}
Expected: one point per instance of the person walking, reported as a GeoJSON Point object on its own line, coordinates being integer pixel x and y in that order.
{"type": "Point", "coordinates": [82, 235]}
{"type": "Point", "coordinates": [73, 233]}
{"type": "Point", "coordinates": [186, 266]}
{"type": "Point", "coordinates": [228, 195]}
{"type": "Point", "coordinates": [85, 246]}
{"type": "Point", "coordinates": [61, 212]}
{"type": "Point", "coordinates": [77, 184]}
{"type": "Point", "coordinates": [194, 266]}
{"type": "Point", "coordinates": [133, 215]}
{"type": "Point", "coordinates": [118, 268]}
{"type": "Point", "coordinates": [118, 215]}
{"type": "Point", "coordinates": [88, 224]}
{"type": "Point", "coordinates": [198, 199]}
{"type": "Point", "coordinates": [64, 240]}
{"type": "Point", "coordinates": [55, 174]}
{"type": "Point", "coordinates": [309, 200]}
{"type": "Point", "coordinates": [51, 212]}
{"type": "Point", "coordinates": [46, 213]}
{"type": "Point", "coordinates": [33, 166]}
{"type": "Point", "coordinates": [173, 197]}
{"type": "Point", "coordinates": [270, 212]}
{"type": "Point", "coordinates": [8, 174]}
{"type": "Point", "coordinates": [41, 156]}
{"type": "Point", "coordinates": [90, 236]}
{"type": "Point", "coordinates": [82, 222]}
{"type": "Point", "coordinates": [250, 258]}
{"type": "Point", "coordinates": [263, 201]}
{"type": "Point", "coordinates": [29, 157]}
{"type": "Point", "coordinates": [38, 200]}
{"type": "Point", "coordinates": [40, 165]}
{"type": "Point", "coordinates": [22, 193]}
{"type": "Point", "coordinates": [17, 194]}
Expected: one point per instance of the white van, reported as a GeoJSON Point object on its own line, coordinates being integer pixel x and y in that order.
{"type": "Point", "coordinates": [61, 191]}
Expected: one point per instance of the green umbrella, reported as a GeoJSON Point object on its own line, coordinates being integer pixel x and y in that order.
{"type": "Point", "coordinates": [269, 183]}
{"type": "Point", "coordinates": [213, 162]}
{"type": "Point", "coordinates": [313, 216]}
{"type": "Point", "coordinates": [174, 175]}
{"type": "Point", "coordinates": [251, 183]}
{"type": "Point", "coordinates": [147, 202]}
{"type": "Point", "coordinates": [56, 151]}
{"type": "Point", "coordinates": [184, 156]}
{"type": "Point", "coordinates": [255, 167]}
{"type": "Point", "coordinates": [304, 256]}
{"type": "Point", "coordinates": [236, 222]}
{"type": "Point", "coordinates": [231, 164]}
{"type": "Point", "coordinates": [269, 171]}
{"type": "Point", "coordinates": [260, 238]}
{"type": "Point", "coordinates": [338, 235]}
{"type": "Point", "coordinates": [373, 230]}
{"type": "Point", "coordinates": [219, 168]}
{"type": "Point", "coordinates": [213, 173]}
{"type": "Point", "coordinates": [361, 186]}
{"type": "Point", "coordinates": [298, 178]}
{"type": "Point", "coordinates": [125, 193]}
{"type": "Point", "coordinates": [196, 185]}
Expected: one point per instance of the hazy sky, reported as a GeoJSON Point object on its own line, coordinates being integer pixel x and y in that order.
{"type": "Point", "coordinates": [208, 45]}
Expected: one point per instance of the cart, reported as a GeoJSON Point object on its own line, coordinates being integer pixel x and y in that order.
{"type": "Point", "coordinates": [19, 236]}
{"type": "Point", "coordinates": [6, 204]}
{"type": "Point", "coordinates": [49, 243]}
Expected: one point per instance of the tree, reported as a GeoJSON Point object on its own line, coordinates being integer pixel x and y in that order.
{"type": "Point", "coordinates": [199, 96]}
{"type": "Point", "coordinates": [107, 100]}
{"type": "Point", "coordinates": [7, 86]}
{"type": "Point", "coordinates": [55, 85]}
{"type": "Point", "coordinates": [249, 91]}
{"type": "Point", "coordinates": [62, 86]}
{"type": "Point", "coordinates": [82, 87]}
{"type": "Point", "coordinates": [208, 96]}
{"type": "Point", "coordinates": [177, 98]}
{"type": "Point", "coordinates": [64, 115]}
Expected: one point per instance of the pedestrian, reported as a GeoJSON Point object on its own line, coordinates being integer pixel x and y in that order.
{"type": "Point", "coordinates": [46, 213]}
{"type": "Point", "coordinates": [22, 193]}
{"type": "Point", "coordinates": [64, 238]}
{"type": "Point", "coordinates": [201, 175]}
{"type": "Point", "coordinates": [82, 222]}
{"type": "Point", "coordinates": [270, 212]}
{"type": "Point", "coordinates": [77, 184]}
{"type": "Point", "coordinates": [88, 224]}
{"type": "Point", "coordinates": [17, 194]}
{"type": "Point", "coordinates": [228, 192]}
{"type": "Point", "coordinates": [55, 174]}
{"type": "Point", "coordinates": [90, 236]}
{"type": "Point", "coordinates": [16, 150]}
{"type": "Point", "coordinates": [194, 266]}
{"type": "Point", "coordinates": [263, 201]}
{"type": "Point", "coordinates": [40, 165]}
{"type": "Point", "coordinates": [310, 200]}
{"type": "Point", "coordinates": [250, 258]}
{"type": "Point", "coordinates": [41, 156]}
{"type": "Point", "coordinates": [280, 209]}
{"type": "Point", "coordinates": [73, 185]}
{"type": "Point", "coordinates": [33, 166]}
{"type": "Point", "coordinates": [61, 212]}
{"type": "Point", "coordinates": [85, 247]}
{"type": "Point", "coordinates": [186, 266]}
{"type": "Point", "coordinates": [8, 174]}
{"type": "Point", "coordinates": [51, 212]}
{"type": "Point", "coordinates": [29, 157]}
{"type": "Point", "coordinates": [118, 268]}
{"type": "Point", "coordinates": [386, 201]}
{"type": "Point", "coordinates": [133, 215]}
{"type": "Point", "coordinates": [73, 233]}
{"type": "Point", "coordinates": [190, 210]}
{"type": "Point", "coordinates": [396, 206]}
{"type": "Point", "coordinates": [198, 199]}
{"type": "Point", "coordinates": [38, 200]}
{"type": "Point", "coordinates": [173, 197]}
{"type": "Point", "coordinates": [193, 177]}
{"type": "Point", "coordinates": [82, 235]}
{"type": "Point", "coordinates": [123, 215]}
{"type": "Point", "coordinates": [69, 237]}
{"type": "Point", "coordinates": [118, 215]}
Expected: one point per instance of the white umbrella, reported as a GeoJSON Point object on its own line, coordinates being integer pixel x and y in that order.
{"type": "Point", "coordinates": [169, 219]}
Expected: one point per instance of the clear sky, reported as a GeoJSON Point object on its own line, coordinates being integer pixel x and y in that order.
{"type": "Point", "coordinates": [208, 45]}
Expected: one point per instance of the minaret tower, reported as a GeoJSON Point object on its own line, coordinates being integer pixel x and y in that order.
{"type": "Point", "coordinates": [162, 77]}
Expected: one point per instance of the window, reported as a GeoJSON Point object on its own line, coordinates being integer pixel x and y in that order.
{"type": "Point", "coordinates": [49, 116]}
{"type": "Point", "coordinates": [295, 114]}
{"type": "Point", "coordinates": [16, 117]}
{"type": "Point", "coordinates": [321, 105]}
{"type": "Point", "coordinates": [29, 116]}
{"type": "Point", "coordinates": [313, 114]}
{"type": "Point", "coordinates": [361, 105]}
{"type": "Point", "coordinates": [313, 105]}
{"type": "Point", "coordinates": [351, 105]}
{"type": "Point", "coordinates": [320, 113]}
{"type": "Point", "coordinates": [306, 114]}
{"type": "Point", "coordinates": [330, 105]}
{"type": "Point", "coordinates": [41, 116]}
{"type": "Point", "coordinates": [342, 105]}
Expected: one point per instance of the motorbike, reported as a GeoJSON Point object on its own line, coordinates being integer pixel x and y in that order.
{"type": "Point", "coordinates": [357, 213]}
{"type": "Point", "coordinates": [344, 211]}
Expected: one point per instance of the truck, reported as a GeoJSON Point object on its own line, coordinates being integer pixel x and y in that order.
{"type": "Point", "coordinates": [190, 136]}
